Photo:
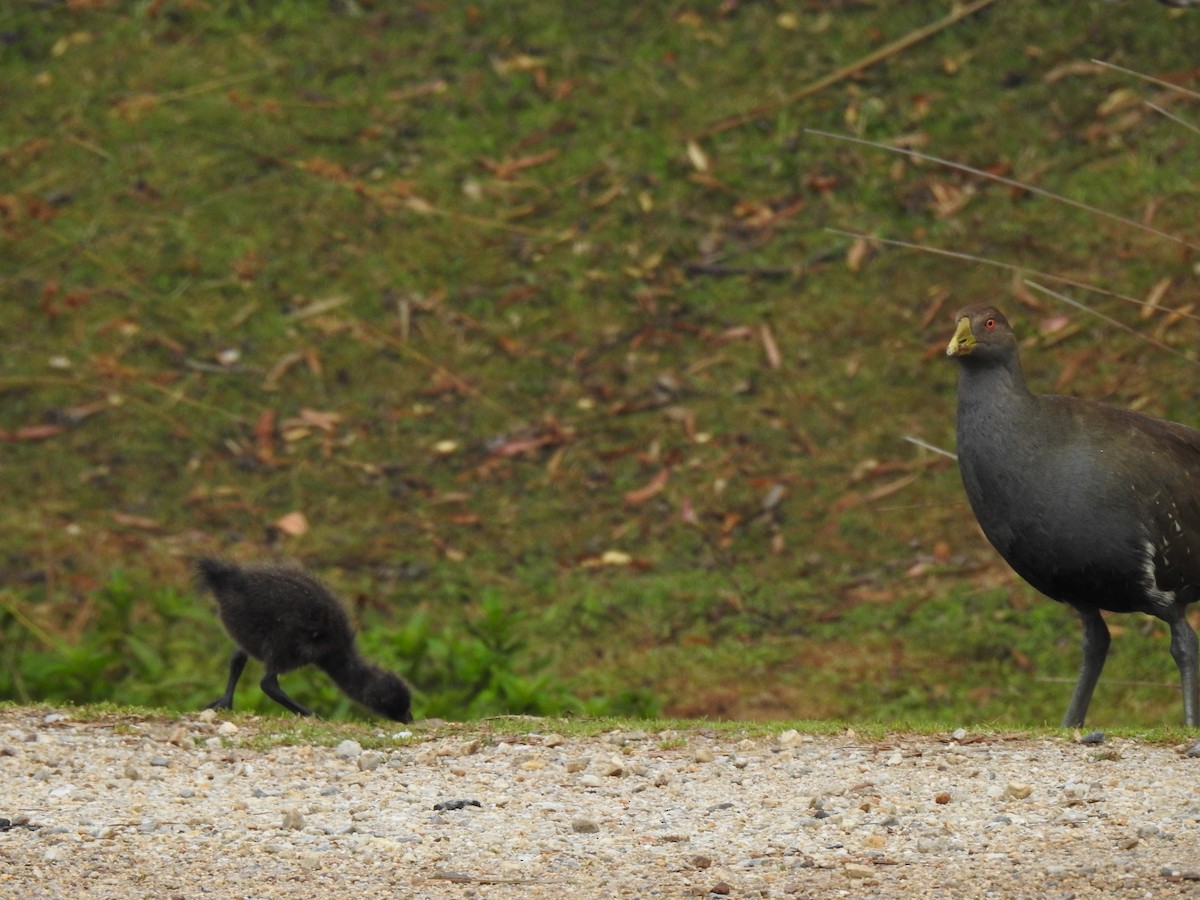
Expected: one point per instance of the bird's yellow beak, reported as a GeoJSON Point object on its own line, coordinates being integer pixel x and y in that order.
{"type": "Point", "coordinates": [963, 341]}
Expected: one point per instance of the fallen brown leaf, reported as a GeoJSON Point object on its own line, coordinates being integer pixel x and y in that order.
{"type": "Point", "coordinates": [324, 168]}
{"type": "Point", "coordinates": [1154, 298]}
{"type": "Point", "coordinates": [326, 421]}
{"type": "Point", "coordinates": [507, 168]}
{"type": "Point", "coordinates": [141, 522]}
{"type": "Point", "coordinates": [770, 347]}
{"type": "Point", "coordinates": [653, 488]}
{"type": "Point", "coordinates": [264, 437]}
{"type": "Point", "coordinates": [293, 524]}
{"type": "Point", "coordinates": [34, 432]}
{"type": "Point", "coordinates": [857, 254]}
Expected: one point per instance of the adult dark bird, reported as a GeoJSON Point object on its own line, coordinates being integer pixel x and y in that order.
{"type": "Point", "coordinates": [1095, 506]}
{"type": "Point", "coordinates": [286, 618]}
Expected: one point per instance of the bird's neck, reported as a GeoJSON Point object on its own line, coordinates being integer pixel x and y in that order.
{"type": "Point", "coordinates": [350, 672]}
{"type": "Point", "coordinates": [995, 416]}
{"type": "Point", "coordinates": [996, 388]}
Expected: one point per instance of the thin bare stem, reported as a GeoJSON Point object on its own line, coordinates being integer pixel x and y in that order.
{"type": "Point", "coordinates": [1174, 118]}
{"type": "Point", "coordinates": [1149, 78]}
{"type": "Point", "coordinates": [1111, 321]}
{"type": "Point", "coordinates": [913, 439]}
{"type": "Point", "coordinates": [1011, 182]}
{"type": "Point", "coordinates": [898, 46]}
{"type": "Point", "coordinates": [1012, 267]}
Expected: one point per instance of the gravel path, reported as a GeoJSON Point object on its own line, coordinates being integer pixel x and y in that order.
{"type": "Point", "coordinates": [128, 807]}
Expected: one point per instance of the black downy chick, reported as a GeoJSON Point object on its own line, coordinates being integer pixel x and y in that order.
{"type": "Point", "coordinates": [285, 617]}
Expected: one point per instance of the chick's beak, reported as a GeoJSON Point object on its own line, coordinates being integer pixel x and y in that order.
{"type": "Point", "coordinates": [963, 341]}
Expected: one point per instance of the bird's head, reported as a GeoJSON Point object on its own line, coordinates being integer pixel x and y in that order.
{"type": "Point", "coordinates": [981, 333]}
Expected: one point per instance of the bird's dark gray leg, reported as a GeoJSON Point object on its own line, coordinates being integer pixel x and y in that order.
{"type": "Point", "coordinates": [1186, 651]}
{"type": "Point", "coordinates": [236, 664]}
{"type": "Point", "coordinates": [270, 686]}
{"type": "Point", "coordinates": [1095, 649]}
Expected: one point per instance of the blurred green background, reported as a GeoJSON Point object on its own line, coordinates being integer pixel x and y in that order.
{"type": "Point", "coordinates": [520, 325]}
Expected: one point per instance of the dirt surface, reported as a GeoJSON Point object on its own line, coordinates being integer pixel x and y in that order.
{"type": "Point", "coordinates": [125, 807]}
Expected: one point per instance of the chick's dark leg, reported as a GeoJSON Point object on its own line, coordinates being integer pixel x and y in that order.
{"type": "Point", "coordinates": [236, 664]}
{"type": "Point", "coordinates": [270, 686]}
{"type": "Point", "coordinates": [1186, 652]}
{"type": "Point", "coordinates": [1095, 649]}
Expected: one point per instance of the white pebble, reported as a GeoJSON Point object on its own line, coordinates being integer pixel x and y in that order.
{"type": "Point", "coordinates": [348, 750]}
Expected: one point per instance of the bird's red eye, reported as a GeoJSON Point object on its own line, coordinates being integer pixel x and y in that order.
{"type": "Point", "coordinates": [989, 324]}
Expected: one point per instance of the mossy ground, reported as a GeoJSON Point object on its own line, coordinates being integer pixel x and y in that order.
{"type": "Point", "coordinates": [478, 293]}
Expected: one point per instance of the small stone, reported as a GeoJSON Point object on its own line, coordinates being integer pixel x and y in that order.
{"type": "Point", "coordinates": [1075, 791]}
{"type": "Point", "coordinates": [159, 761]}
{"type": "Point", "coordinates": [577, 765]}
{"type": "Point", "coordinates": [1149, 831]}
{"type": "Point", "coordinates": [553, 740]}
{"type": "Point", "coordinates": [613, 768]}
{"type": "Point", "coordinates": [131, 772]}
{"type": "Point", "coordinates": [895, 759]}
{"type": "Point", "coordinates": [858, 870]}
{"type": "Point", "coordinates": [959, 734]}
{"type": "Point", "coordinates": [942, 798]}
{"type": "Point", "coordinates": [1092, 737]}
{"type": "Point", "coordinates": [456, 804]}
{"type": "Point", "coordinates": [348, 750]}
{"type": "Point", "coordinates": [585, 826]}
{"type": "Point", "coordinates": [790, 739]}
{"type": "Point", "coordinates": [468, 748]}
{"type": "Point", "coordinates": [703, 755]}
{"type": "Point", "coordinates": [292, 819]}
{"type": "Point", "coordinates": [1017, 790]}
{"type": "Point", "coordinates": [310, 860]}
{"type": "Point", "coordinates": [370, 761]}
{"type": "Point", "coordinates": [206, 715]}
{"type": "Point", "coordinates": [590, 780]}
{"type": "Point", "coordinates": [1129, 843]}
{"type": "Point", "coordinates": [227, 729]}
{"type": "Point", "coordinates": [700, 862]}
{"type": "Point", "coordinates": [1193, 751]}
{"type": "Point", "coordinates": [721, 889]}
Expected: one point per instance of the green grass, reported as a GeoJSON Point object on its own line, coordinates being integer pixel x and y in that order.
{"type": "Point", "coordinates": [264, 259]}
